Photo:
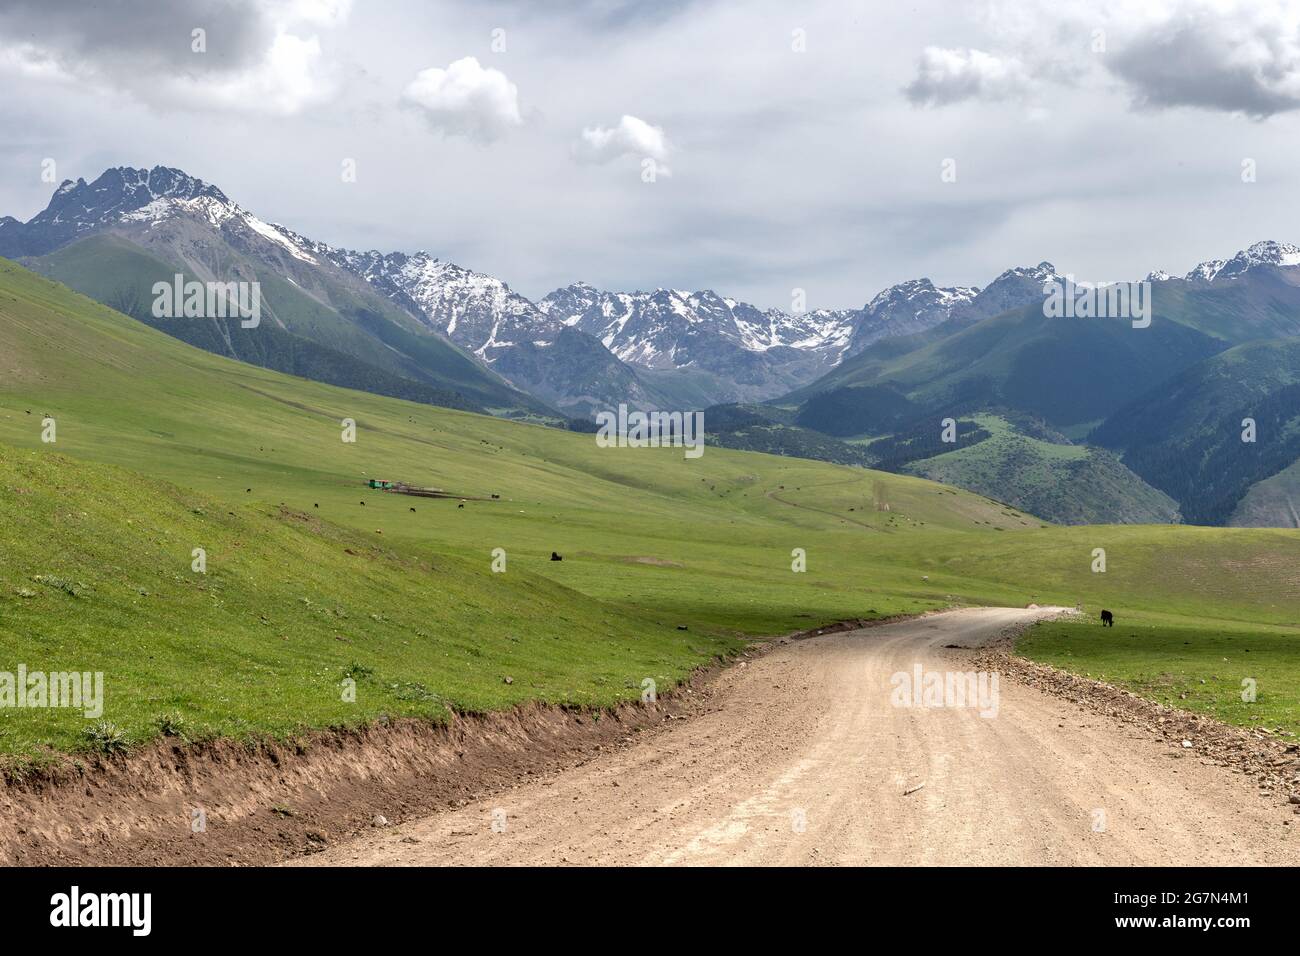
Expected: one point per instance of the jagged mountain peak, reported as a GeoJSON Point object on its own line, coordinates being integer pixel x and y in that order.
{"type": "Point", "coordinates": [1273, 252]}
{"type": "Point", "coordinates": [920, 292]}
{"type": "Point", "coordinates": [125, 188]}
{"type": "Point", "coordinates": [674, 328]}
{"type": "Point", "coordinates": [1267, 252]}
{"type": "Point", "coordinates": [1042, 272]}
{"type": "Point", "coordinates": [124, 197]}
{"type": "Point", "coordinates": [473, 309]}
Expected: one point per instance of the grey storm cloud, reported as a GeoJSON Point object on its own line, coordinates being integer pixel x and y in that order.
{"type": "Point", "coordinates": [257, 55]}
{"type": "Point", "coordinates": [1233, 56]}
{"type": "Point", "coordinates": [1193, 64]}
{"type": "Point", "coordinates": [123, 34]}
{"type": "Point", "coordinates": [811, 170]}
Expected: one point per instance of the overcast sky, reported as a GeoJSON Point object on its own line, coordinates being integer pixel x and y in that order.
{"type": "Point", "coordinates": [793, 145]}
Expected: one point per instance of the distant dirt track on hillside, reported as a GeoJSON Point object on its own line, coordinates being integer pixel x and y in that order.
{"type": "Point", "coordinates": [803, 760]}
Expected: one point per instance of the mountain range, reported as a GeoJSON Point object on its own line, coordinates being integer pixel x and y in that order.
{"type": "Point", "coordinates": [578, 349]}
{"type": "Point", "coordinates": [1074, 420]}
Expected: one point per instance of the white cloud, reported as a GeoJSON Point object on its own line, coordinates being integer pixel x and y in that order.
{"type": "Point", "coordinates": [29, 60]}
{"type": "Point", "coordinates": [631, 137]}
{"type": "Point", "coordinates": [777, 140]}
{"type": "Point", "coordinates": [467, 99]}
{"type": "Point", "coordinates": [946, 76]}
{"type": "Point", "coordinates": [1233, 56]}
{"type": "Point", "coordinates": [327, 13]}
{"type": "Point", "coordinates": [1239, 56]}
{"type": "Point", "coordinates": [290, 78]}
{"type": "Point", "coordinates": [253, 59]}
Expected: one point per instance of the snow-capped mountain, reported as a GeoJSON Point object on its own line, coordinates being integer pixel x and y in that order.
{"type": "Point", "coordinates": [738, 351]}
{"type": "Point", "coordinates": [506, 331]}
{"type": "Point", "coordinates": [650, 329]}
{"type": "Point", "coordinates": [385, 308]}
{"type": "Point", "coordinates": [476, 311]}
{"type": "Point", "coordinates": [134, 200]}
{"type": "Point", "coordinates": [918, 305]}
{"type": "Point", "coordinates": [578, 348]}
{"type": "Point", "coordinates": [318, 319]}
{"type": "Point", "coordinates": [1013, 289]}
{"type": "Point", "coordinates": [1266, 253]}
{"type": "Point", "coordinates": [146, 197]}
{"type": "Point", "coordinates": [702, 343]}
{"type": "Point", "coordinates": [906, 308]}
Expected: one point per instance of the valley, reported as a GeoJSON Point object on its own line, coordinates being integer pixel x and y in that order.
{"type": "Point", "coordinates": [669, 562]}
{"type": "Point", "coordinates": [821, 383]}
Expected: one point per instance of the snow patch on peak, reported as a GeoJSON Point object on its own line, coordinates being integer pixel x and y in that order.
{"type": "Point", "coordinates": [1206, 271]}
{"type": "Point", "coordinates": [1266, 253]}
{"type": "Point", "coordinates": [1273, 253]}
{"type": "Point", "coordinates": [1043, 272]}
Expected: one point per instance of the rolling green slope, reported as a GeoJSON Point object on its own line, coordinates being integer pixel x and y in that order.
{"type": "Point", "coordinates": [1168, 400]}
{"type": "Point", "coordinates": [1271, 503]}
{"type": "Point", "coordinates": [1264, 304]}
{"type": "Point", "coordinates": [306, 582]}
{"type": "Point", "coordinates": [1034, 363]}
{"type": "Point", "coordinates": [1185, 437]}
{"type": "Point", "coordinates": [342, 334]}
{"type": "Point", "coordinates": [1067, 484]}
{"type": "Point", "coordinates": [1064, 370]}
{"type": "Point", "coordinates": [97, 575]}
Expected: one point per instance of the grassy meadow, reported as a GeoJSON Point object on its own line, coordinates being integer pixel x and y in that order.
{"type": "Point", "coordinates": [162, 448]}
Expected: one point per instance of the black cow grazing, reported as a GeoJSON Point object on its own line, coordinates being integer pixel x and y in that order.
{"type": "Point", "coordinates": [555, 557]}
{"type": "Point", "coordinates": [1107, 619]}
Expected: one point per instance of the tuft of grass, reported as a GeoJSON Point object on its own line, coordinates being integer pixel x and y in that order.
{"type": "Point", "coordinates": [105, 737]}
{"type": "Point", "coordinates": [172, 724]}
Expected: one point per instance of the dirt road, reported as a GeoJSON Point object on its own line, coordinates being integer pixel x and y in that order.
{"type": "Point", "coordinates": [809, 758]}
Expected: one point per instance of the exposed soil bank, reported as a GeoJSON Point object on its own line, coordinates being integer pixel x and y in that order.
{"type": "Point", "coordinates": [796, 754]}
{"type": "Point", "coordinates": [263, 803]}
{"type": "Point", "coordinates": [807, 755]}
{"type": "Point", "coordinates": [267, 802]}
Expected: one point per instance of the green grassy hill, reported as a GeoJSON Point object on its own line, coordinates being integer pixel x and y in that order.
{"type": "Point", "coordinates": [1065, 483]}
{"type": "Point", "coordinates": [1064, 370]}
{"type": "Point", "coordinates": [1168, 400]}
{"type": "Point", "coordinates": [1185, 437]}
{"type": "Point", "coordinates": [97, 575]}
{"type": "Point", "coordinates": [1271, 503]}
{"type": "Point", "coordinates": [335, 330]}
{"type": "Point", "coordinates": [162, 448]}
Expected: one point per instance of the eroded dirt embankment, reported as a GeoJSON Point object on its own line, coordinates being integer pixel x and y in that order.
{"type": "Point", "coordinates": [266, 802]}
{"type": "Point", "coordinates": [230, 803]}
{"type": "Point", "coordinates": [810, 756]}
{"type": "Point", "coordinates": [800, 753]}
